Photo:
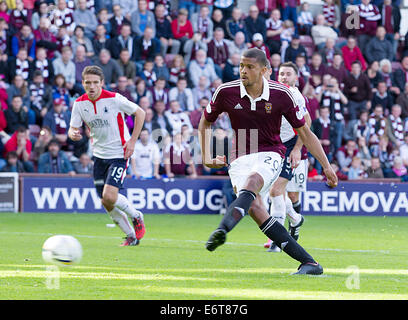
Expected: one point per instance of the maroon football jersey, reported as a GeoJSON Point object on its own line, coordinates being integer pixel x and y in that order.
{"type": "Point", "coordinates": [256, 122]}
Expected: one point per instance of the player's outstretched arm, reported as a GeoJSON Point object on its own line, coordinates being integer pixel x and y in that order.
{"type": "Point", "coordinates": [204, 136]}
{"type": "Point", "coordinates": [312, 143]}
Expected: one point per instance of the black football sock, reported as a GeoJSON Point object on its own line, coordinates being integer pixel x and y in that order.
{"type": "Point", "coordinates": [237, 210]}
{"type": "Point", "coordinates": [278, 234]}
{"type": "Point", "coordinates": [297, 206]}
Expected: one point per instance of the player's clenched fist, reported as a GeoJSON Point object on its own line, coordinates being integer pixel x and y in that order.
{"type": "Point", "coordinates": [74, 134]}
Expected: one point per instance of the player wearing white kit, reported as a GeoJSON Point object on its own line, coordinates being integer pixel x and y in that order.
{"type": "Point", "coordinates": [103, 112]}
{"type": "Point", "coordinates": [280, 206]}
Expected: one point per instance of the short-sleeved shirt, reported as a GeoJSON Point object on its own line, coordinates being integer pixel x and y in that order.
{"type": "Point", "coordinates": [256, 122]}
{"type": "Point", "coordinates": [146, 156]}
{"type": "Point", "coordinates": [105, 119]}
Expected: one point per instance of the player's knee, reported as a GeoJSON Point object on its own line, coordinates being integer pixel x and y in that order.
{"type": "Point", "coordinates": [108, 200]}
{"type": "Point", "coordinates": [293, 196]}
{"type": "Point", "coordinates": [277, 189]}
{"type": "Point", "coordinates": [254, 182]}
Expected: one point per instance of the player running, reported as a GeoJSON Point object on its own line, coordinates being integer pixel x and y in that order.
{"type": "Point", "coordinates": [103, 113]}
{"type": "Point", "coordinates": [293, 175]}
{"type": "Point", "coordinates": [255, 107]}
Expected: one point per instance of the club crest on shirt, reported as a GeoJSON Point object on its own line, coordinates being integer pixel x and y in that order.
{"type": "Point", "coordinates": [268, 107]}
{"type": "Point", "coordinates": [105, 109]}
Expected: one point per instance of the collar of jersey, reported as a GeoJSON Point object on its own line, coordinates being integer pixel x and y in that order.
{"type": "Point", "coordinates": [263, 96]}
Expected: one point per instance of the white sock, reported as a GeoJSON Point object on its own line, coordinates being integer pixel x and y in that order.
{"type": "Point", "coordinates": [293, 216]}
{"type": "Point", "coordinates": [123, 204]}
{"type": "Point", "coordinates": [278, 210]}
{"type": "Point", "coordinates": [122, 221]}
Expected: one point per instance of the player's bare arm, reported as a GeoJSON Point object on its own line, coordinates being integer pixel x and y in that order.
{"type": "Point", "coordinates": [315, 148]}
{"type": "Point", "coordinates": [74, 134]}
{"type": "Point", "coordinates": [129, 146]}
{"type": "Point", "coordinates": [296, 153]}
{"type": "Point", "coordinates": [204, 134]}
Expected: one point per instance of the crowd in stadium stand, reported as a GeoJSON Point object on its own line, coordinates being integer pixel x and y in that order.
{"type": "Point", "coordinates": [170, 56]}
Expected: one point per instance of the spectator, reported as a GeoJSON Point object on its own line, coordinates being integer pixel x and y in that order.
{"type": "Point", "coordinates": [4, 11]}
{"type": "Point", "coordinates": [333, 98]}
{"type": "Point", "coordinates": [337, 69]}
{"type": "Point", "coordinates": [148, 74]}
{"type": "Point", "coordinates": [79, 38]}
{"type": "Point", "coordinates": [273, 31]}
{"type": "Point", "coordinates": [238, 45]}
{"type": "Point", "coordinates": [275, 63]}
{"type": "Point", "coordinates": [148, 124]}
{"type": "Point", "coordinates": [304, 71]}
{"type": "Point", "coordinates": [391, 20]}
{"type": "Point", "coordinates": [218, 51]}
{"type": "Point", "coordinates": [375, 171]}
{"type": "Point", "coordinates": [81, 61]}
{"type": "Point", "coordinates": [352, 53]}
{"type": "Point", "coordinates": [316, 65]}
{"type": "Point", "coordinates": [386, 155]}
{"type": "Point", "coordinates": [201, 91]}
{"type": "Point", "coordinates": [40, 96]}
{"type": "Point", "coordinates": [145, 161]}
{"type": "Point", "coordinates": [387, 75]}
{"type": "Point", "coordinates": [19, 15]}
{"type": "Point", "coordinates": [404, 150]}
{"type": "Point", "coordinates": [402, 100]}
{"type": "Point", "coordinates": [254, 23]}
{"type": "Point", "coordinates": [62, 16]}
{"type": "Point", "coordinates": [202, 66]}
{"type": "Point", "coordinates": [358, 128]}
{"type": "Point", "coordinates": [177, 70]}
{"type": "Point", "coordinates": [128, 67]}
{"type": "Point", "coordinates": [329, 51]}
{"type": "Point", "coordinates": [43, 65]}
{"type": "Point", "coordinates": [177, 118]}
{"type": "Point", "coordinates": [65, 66]}
{"type": "Point", "coordinates": [84, 165]}
{"type": "Point", "coordinates": [3, 125]}
{"type": "Point", "coordinates": [42, 12]}
{"type": "Point", "coordinates": [13, 164]}
{"type": "Point", "coordinates": [117, 20]}
{"type": "Point", "coordinates": [55, 160]}
{"type": "Point", "coordinates": [145, 47]}
{"type": "Point", "coordinates": [345, 155]}
{"type": "Point", "coordinates": [289, 11]}
{"type": "Point", "coordinates": [382, 97]}
{"type": "Point", "coordinates": [59, 90]}
{"type": "Point", "coordinates": [305, 19]}
{"type": "Point", "coordinates": [45, 38]}
{"type": "Point", "coordinates": [63, 40]}
{"type": "Point", "coordinates": [321, 32]}
{"type": "Point", "coordinates": [357, 89]}
{"type": "Point", "coordinates": [224, 7]}
{"type": "Point", "coordinates": [369, 19]}
{"type": "Point", "coordinates": [159, 92]}
{"type": "Point", "coordinates": [122, 88]}
{"type": "Point", "coordinates": [41, 144]}
{"type": "Point", "coordinates": [374, 75]}
{"type": "Point", "coordinates": [101, 39]}
{"type": "Point", "coordinates": [123, 41]}
{"type": "Point", "coordinates": [85, 18]}
{"type": "Point", "coordinates": [325, 132]}
{"type": "Point", "coordinates": [294, 50]}
{"type": "Point", "coordinates": [363, 152]}
{"type": "Point", "coordinates": [177, 159]}
{"type": "Point", "coordinates": [356, 171]}
{"type": "Point", "coordinates": [16, 116]}
{"type": "Point", "coordinates": [379, 48]}
{"type": "Point", "coordinates": [196, 114]}
{"type": "Point", "coordinates": [19, 87]}
{"type": "Point", "coordinates": [161, 68]}
{"type": "Point", "coordinates": [203, 24]}
{"type": "Point", "coordinates": [399, 169]}
{"type": "Point", "coordinates": [183, 95]}
{"type": "Point", "coordinates": [218, 19]}
{"type": "Point", "coordinates": [192, 46]}
{"type": "Point", "coordinates": [110, 68]}
{"type": "Point", "coordinates": [182, 28]}
{"type": "Point", "coordinates": [258, 42]}
{"type": "Point", "coordinates": [236, 24]}
{"type": "Point", "coordinates": [57, 119]}
{"type": "Point", "coordinates": [395, 126]}
{"type": "Point", "coordinates": [20, 65]}
{"type": "Point", "coordinates": [143, 18]}
{"type": "Point", "coordinates": [231, 70]}
{"type": "Point", "coordinates": [331, 14]}
{"type": "Point", "coordinates": [378, 127]}
{"type": "Point", "coordinates": [103, 19]}
{"type": "Point", "coordinates": [21, 144]}
{"type": "Point", "coordinates": [399, 76]}
{"type": "Point", "coordinates": [163, 31]}
{"type": "Point", "coordinates": [161, 126]}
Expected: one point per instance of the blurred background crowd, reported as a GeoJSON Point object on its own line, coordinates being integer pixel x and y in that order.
{"type": "Point", "coordinates": [170, 56]}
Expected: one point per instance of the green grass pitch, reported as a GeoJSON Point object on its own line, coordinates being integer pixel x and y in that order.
{"type": "Point", "coordinates": [363, 258]}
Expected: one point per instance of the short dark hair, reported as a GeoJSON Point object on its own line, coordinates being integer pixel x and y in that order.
{"type": "Point", "coordinates": [257, 54]}
{"type": "Point", "coordinates": [289, 64]}
{"type": "Point", "coordinates": [93, 70]}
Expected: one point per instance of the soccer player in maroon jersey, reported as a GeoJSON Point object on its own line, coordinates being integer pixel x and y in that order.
{"type": "Point", "coordinates": [255, 107]}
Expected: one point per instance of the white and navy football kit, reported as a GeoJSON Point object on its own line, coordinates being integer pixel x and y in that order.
{"type": "Point", "coordinates": [105, 117]}
{"type": "Point", "coordinates": [288, 135]}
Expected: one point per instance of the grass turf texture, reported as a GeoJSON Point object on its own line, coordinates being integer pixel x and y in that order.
{"type": "Point", "coordinates": [172, 263]}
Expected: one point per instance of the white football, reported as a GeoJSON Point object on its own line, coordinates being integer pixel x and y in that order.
{"type": "Point", "coordinates": [62, 250]}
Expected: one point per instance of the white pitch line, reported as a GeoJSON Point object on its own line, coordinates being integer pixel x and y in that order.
{"type": "Point", "coordinates": [195, 241]}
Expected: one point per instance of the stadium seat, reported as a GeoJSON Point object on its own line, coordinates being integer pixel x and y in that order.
{"type": "Point", "coordinates": [34, 130]}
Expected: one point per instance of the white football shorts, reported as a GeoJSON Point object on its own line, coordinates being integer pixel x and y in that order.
{"type": "Point", "coordinates": [299, 179]}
